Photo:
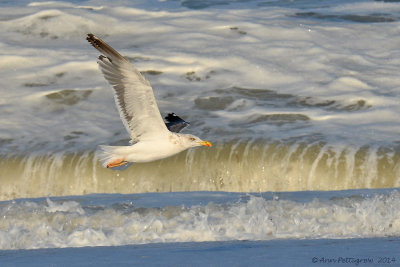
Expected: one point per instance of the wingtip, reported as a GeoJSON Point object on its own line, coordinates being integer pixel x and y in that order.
{"type": "Point", "coordinates": [101, 58]}
{"type": "Point", "coordinates": [92, 39]}
{"type": "Point", "coordinates": [91, 36]}
{"type": "Point", "coordinates": [104, 48]}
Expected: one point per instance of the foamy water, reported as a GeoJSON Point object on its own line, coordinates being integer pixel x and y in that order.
{"type": "Point", "coordinates": [268, 72]}
{"type": "Point", "coordinates": [290, 94]}
{"type": "Point", "coordinates": [116, 220]}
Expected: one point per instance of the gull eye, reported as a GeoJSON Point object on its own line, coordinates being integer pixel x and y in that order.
{"type": "Point", "coordinates": [192, 139]}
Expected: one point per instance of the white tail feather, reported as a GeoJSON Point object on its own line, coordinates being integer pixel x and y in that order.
{"type": "Point", "coordinates": [107, 154]}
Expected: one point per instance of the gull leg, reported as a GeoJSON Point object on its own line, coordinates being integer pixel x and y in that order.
{"type": "Point", "coordinates": [117, 163]}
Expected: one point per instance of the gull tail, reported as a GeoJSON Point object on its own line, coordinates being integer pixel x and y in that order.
{"type": "Point", "coordinates": [109, 158]}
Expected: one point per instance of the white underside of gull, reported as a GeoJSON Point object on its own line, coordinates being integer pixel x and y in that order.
{"type": "Point", "coordinates": [144, 151]}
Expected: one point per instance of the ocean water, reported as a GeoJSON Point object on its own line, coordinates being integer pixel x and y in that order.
{"type": "Point", "coordinates": [299, 98]}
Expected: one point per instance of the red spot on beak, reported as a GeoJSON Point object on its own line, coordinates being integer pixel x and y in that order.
{"type": "Point", "coordinates": [205, 143]}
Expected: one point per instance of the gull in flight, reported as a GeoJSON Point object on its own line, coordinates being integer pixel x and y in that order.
{"type": "Point", "coordinates": [151, 138]}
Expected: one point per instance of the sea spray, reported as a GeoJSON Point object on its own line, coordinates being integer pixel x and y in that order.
{"type": "Point", "coordinates": [116, 220]}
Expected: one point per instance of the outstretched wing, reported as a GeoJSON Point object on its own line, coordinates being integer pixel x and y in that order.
{"type": "Point", "coordinates": [175, 123]}
{"type": "Point", "coordinates": [133, 94]}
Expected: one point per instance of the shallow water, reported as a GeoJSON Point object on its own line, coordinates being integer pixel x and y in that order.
{"type": "Point", "coordinates": [319, 252]}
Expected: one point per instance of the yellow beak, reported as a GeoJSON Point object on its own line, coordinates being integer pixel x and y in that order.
{"type": "Point", "coordinates": [205, 143]}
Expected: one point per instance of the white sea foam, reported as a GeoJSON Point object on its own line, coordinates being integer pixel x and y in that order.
{"type": "Point", "coordinates": [67, 223]}
{"type": "Point", "coordinates": [354, 66]}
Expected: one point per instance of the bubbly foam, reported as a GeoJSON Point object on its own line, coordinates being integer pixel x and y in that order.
{"type": "Point", "coordinates": [338, 80]}
{"type": "Point", "coordinates": [67, 223]}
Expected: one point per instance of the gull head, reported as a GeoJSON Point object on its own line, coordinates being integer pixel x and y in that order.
{"type": "Point", "coordinates": [189, 140]}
